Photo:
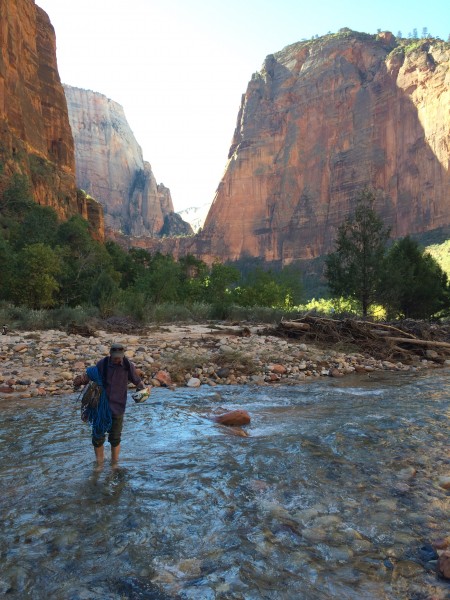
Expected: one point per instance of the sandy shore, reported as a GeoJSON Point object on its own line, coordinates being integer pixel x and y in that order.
{"type": "Point", "coordinates": [42, 363]}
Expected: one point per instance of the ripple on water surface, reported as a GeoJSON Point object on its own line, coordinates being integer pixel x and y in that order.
{"type": "Point", "coordinates": [332, 495]}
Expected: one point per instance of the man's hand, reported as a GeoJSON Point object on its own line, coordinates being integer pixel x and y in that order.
{"type": "Point", "coordinates": [141, 395]}
{"type": "Point", "coordinates": [78, 380]}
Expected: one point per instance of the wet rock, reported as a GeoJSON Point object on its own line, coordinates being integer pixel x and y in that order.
{"type": "Point", "coordinates": [407, 569]}
{"type": "Point", "coordinates": [441, 543]}
{"type": "Point", "coordinates": [427, 553]}
{"type": "Point", "coordinates": [234, 418]}
{"type": "Point", "coordinates": [273, 378]}
{"type": "Point", "coordinates": [223, 373]}
{"type": "Point", "coordinates": [443, 564]}
{"type": "Point", "coordinates": [407, 473]}
{"type": "Point", "coordinates": [444, 482]}
{"type": "Point", "coordinates": [194, 382]}
{"type": "Point", "coordinates": [361, 546]}
{"type": "Point", "coordinates": [6, 390]}
{"type": "Point", "coordinates": [335, 373]}
{"type": "Point", "coordinates": [138, 588]}
{"type": "Point", "coordinates": [314, 534]}
{"type": "Point", "coordinates": [164, 378]}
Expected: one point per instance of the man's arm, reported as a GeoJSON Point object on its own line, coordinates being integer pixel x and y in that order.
{"type": "Point", "coordinates": [134, 377]}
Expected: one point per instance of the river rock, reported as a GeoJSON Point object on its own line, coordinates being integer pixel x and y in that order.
{"type": "Point", "coordinates": [444, 482]}
{"type": "Point", "coordinates": [20, 347]}
{"type": "Point", "coordinates": [441, 543]}
{"type": "Point", "coordinates": [194, 382]}
{"type": "Point", "coordinates": [164, 378]}
{"type": "Point", "coordinates": [273, 378]}
{"type": "Point", "coordinates": [223, 373]}
{"type": "Point", "coordinates": [335, 373]}
{"type": "Point", "coordinates": [407, 569]}
{"type": "Point", "coordinates": [443, 564]}
{"type": "Point", "coordinates": [279, 369]}
{"type": "Point", "coordinates": [226, 349]}
{"type": "Point", "coordinates": [234, 418]}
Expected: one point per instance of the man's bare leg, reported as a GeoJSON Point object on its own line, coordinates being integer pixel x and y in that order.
{"type": "Point", "coordinates": [115, 451]}
{"type": "Point", "coordinates": [99, 454]}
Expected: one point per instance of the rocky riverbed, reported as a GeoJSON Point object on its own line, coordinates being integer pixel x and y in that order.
{"type": "Point", "coordinates": [42, 363]}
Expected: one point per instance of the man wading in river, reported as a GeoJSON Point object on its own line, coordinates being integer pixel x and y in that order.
{"type": "Point", "coordinates": [114, 371]}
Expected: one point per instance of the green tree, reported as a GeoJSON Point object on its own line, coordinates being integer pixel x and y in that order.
{"type": "Point", "coordinates": [193, 272]}
{"type": "Point", "coordinates": [17, 196]}
{"type": "Point", "coordinates": [37, 284]}
{"type": "Point", "coordinates": [260, 289]}
{"type": "Point", "coordinates": [414, 285]}
{"type": "Point", "coordinates": [39, 225]}
{"type": "Point", "coordinates": [7, 268]}
{"type": "Point", "coordinates": [160, 282]}
{"type": "Point", "coordinates": [105, 294]}
{"type": "Point", "coordinates": [218, 289]}
{"type": "Point", "coordinates": [354, 270]}
{"type": "Point", "coordinates": [83, 260]}
{"type": "Point", "coordinates": [290, 278]}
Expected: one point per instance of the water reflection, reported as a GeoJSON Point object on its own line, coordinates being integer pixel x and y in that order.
{"type": "Point", "coordinates": [331, 496]}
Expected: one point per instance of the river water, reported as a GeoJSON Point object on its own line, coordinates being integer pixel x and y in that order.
{"type": "Point", "coordinates": [333, 494]}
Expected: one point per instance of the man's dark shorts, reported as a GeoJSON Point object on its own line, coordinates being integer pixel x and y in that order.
{"type": "Point", "coordinates": [113, 434]}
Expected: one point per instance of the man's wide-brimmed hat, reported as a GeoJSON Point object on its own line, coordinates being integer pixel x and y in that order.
{"type": "Point", "coordinates": [117, 350]}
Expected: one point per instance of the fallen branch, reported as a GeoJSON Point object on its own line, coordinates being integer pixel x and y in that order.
{"type": "Point", "coordinates": [416, 342]}
{"type": "Point", "coordinates": [300, 326]}
{"type": "Point", "coordinates": [388, 328]}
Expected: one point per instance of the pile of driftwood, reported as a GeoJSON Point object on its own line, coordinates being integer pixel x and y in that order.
{"type": "Point", "coordinates": [402, 342]}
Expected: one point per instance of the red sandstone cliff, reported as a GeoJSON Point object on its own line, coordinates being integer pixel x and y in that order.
{"type": "Point", "coordinates": [110, 166]}
{"type": "Point", "coordinates": [35, 135]}
{"type": "Point", "coordinates": [321, 120]}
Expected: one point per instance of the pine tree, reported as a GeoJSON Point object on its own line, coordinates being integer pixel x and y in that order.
{"type": "Point", "coordinates": [413, 284]}
{"type": "Point", "coordinates": [354, 270]}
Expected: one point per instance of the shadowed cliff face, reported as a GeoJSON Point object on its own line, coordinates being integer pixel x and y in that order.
{"type": "Point", "coordinates": [35, 135]}
{"type": "Point", "coordinates": [110, 166]}
{"type": "Point", "coordinates": [320, 121]}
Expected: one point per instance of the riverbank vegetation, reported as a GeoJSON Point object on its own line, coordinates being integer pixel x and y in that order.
{"type": "Point", "coordinates": [54, 273]}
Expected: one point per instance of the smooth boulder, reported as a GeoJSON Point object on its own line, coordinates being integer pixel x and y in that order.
{"type": "Point", "coordinates": [234, 418]}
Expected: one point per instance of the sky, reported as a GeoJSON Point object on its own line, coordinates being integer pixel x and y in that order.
{"type": "Point", "coordinates": [180, 67]}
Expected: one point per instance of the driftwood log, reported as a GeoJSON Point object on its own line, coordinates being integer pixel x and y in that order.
{"type": "Point", "coordinates": [406, 340]}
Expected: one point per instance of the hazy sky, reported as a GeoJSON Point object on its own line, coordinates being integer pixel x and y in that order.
{"type": "Point", "coordinates": [179, 67]}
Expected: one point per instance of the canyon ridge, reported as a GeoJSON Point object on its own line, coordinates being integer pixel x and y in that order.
{"type": "Point", "coordinates": [320, 121]}
{"type": "Point", "coordinates": [110, 167]}
{"type": "Point", "coordinates": [35, 136]}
